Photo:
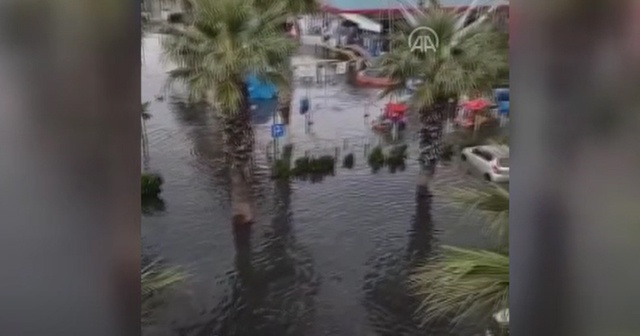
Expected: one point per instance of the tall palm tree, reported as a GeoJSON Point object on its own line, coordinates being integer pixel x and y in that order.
{"type": "Point", "coordinates": [467, 59]}
{"type": "Point", "coordinates": [468, 284]}
{"type": "Point", "coordinates": [226, 41]}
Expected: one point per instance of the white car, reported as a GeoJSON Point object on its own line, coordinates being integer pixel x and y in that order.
{"type": "Point", "coordinates": [492, 161]}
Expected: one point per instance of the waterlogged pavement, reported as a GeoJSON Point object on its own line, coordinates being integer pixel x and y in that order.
{"type": "Point", "coordinates": [328, 258]}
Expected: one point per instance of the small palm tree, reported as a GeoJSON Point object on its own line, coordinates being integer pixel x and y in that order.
{"type": "Point", "coordinates": [468, 284]}
{"type": "Point", "coordinates": [462, 284]}
{"type": "Point", "coordinates": [226, 41]}
{"type": "Point", "coordinates": [467, 59]}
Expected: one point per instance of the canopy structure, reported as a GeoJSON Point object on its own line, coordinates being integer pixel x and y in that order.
{"type": "Point", "coordinates": [363, 22]}
{"type": "Point", "coordinates": [395, 110]}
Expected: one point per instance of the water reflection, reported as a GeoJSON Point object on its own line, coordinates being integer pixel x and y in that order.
{"type": "Point", "coordinates": [387, 298]}
{"type": "Point", "coordinates": [273, 286]}
{"type": "Point", "coordinates": [264, 111]}
{"type": "Point", "coordinates": [152, 205]}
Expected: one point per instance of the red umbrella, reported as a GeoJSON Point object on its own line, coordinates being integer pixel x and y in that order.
{"type": "Point", "coordinates": [476, 104]}
{"type": "Point", "coordinates": [395, 110]}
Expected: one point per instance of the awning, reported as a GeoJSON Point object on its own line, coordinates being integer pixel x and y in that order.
{"type": "Point", "coordinates": [363, 22]}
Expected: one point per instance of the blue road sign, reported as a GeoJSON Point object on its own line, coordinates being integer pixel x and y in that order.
{"type": "Point", "coordinates": [277, 130]}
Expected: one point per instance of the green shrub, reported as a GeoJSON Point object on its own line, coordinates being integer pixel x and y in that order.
{"type": "Point", "coordinates": [376, 158]}
{"type": "Point", "coordinates": [447, 152]}
{"type": "Point", "coordinates": [151, 185]}
{"type": "Point", "coordinates": [281, 169]}
{"type": "Point", "coordinates": [348, 161]}
{"type": "Point", "coordinates": [324, 165]}
{"type": "Point", "coordinates": [301, 166]}
{"type": "Point", "coordinates": [396, 158]}
{"type": "Point", "coordinates": [311, 166]}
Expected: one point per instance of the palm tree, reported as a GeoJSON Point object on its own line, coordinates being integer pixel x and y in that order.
{"type": "Point", "coordinates": [467, 59]}
{"type": "Point", "coordinates": [226, 41]}
{"type": "Point", "coordinates": [468, 284]}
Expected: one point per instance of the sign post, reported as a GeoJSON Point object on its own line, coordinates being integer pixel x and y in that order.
{"type": "Point", "coordinates": [277, 132]}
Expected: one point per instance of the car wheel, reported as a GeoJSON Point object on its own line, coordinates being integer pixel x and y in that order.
{"type": "Point", "coordinates": [463, 157]}
{"type": "Point", "coordinates": [487, 177]}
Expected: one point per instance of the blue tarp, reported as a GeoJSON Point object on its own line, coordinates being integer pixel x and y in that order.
{"type": "Point", "coordinates": [259, 90]}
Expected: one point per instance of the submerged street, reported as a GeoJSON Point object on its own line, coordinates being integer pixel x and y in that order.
{"type": "Point", "coordinates": [328, 258]}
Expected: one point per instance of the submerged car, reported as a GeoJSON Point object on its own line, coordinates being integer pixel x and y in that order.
{"type": "Point", "coordinates": [492, 161]}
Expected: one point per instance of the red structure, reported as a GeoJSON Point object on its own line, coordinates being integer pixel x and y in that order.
{"type": "Point", "coordinates": [393, 113]}
{"type": "Point", "coordinates": [468, 112]}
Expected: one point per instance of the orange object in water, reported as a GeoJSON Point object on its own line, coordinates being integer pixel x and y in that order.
{"type": "Point", "coordinates": [365, 80]}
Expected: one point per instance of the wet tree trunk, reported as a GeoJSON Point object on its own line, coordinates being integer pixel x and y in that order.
{"type": "Point", "coordinates": [284, 101]}
{"type": "Point", "coordinates": [239, 142]}
{"type": "Point", "coordinates": [285, 95]}
{"type": "Point", "coordinates": [430, 135]}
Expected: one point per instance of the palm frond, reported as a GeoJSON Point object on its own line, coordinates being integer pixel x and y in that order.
{"type": "Point", "coordinates": [467, 59]}
{"type": "Point", "coordinates": [153, 282]}
{"type": "Point", "coordinates": [462, 284]}
{"type": "Point", "coordinates": [227, 41]}
{"type": "Point", "coordinates": [492, 203]}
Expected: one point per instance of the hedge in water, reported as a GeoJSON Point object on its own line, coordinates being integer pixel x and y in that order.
{"type": "Point", "coordinates": [323, 165]}
{"type": "Point", "coordinates": [348, 161]}
{"type": "Point", "coordinates": [282, 166]}
{"type": "Point", "coordinates": [394, 159]}
{"type": "Point", "coordinates": [376, 158]}
{"type": "Point", "coordinates": [151, 184]}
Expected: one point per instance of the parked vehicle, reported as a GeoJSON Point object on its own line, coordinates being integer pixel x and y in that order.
{"type": "Point", "coordinates": [491, 160]}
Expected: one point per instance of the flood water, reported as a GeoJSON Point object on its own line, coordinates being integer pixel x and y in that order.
{"type": "Point", "coordinates": [327, 258]}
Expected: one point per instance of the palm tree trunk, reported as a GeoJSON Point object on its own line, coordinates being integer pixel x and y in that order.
{"type": "Point", "coordinates": [239, 143]}
{"type": "Point", "coordinates": [431, 136]}
{"type": "Point", "coordinates": [284, 100]}
{"type": "Point", "coordinates": [145, 146]}
{"type": "Point", "coordinates": [285, 95]}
